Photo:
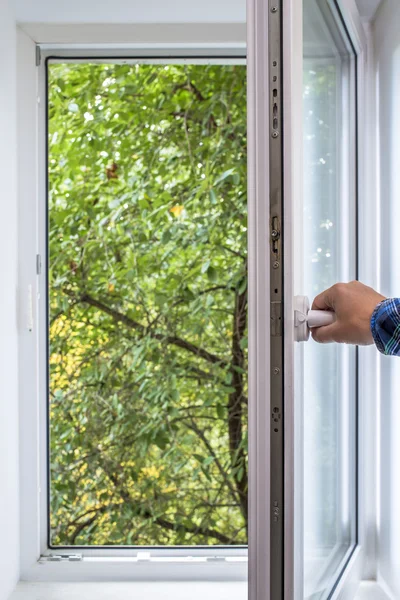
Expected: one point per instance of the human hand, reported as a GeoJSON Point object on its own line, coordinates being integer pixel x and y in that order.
{"type": "Point", "coordinates": [353, 304]}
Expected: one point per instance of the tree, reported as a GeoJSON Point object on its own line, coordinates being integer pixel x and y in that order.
{"type": "Point", "coordinates": [148, 304]}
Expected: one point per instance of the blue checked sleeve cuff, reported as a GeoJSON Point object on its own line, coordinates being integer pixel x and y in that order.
{"type": "Point", "coordinates": [385, 326]}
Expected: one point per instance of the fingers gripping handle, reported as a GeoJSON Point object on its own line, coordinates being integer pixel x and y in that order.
{"type": "Point", "coordinates": [304, 318]}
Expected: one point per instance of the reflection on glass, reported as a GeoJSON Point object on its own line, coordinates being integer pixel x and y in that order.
{"type": "Point", "coordinates": [329, 391]}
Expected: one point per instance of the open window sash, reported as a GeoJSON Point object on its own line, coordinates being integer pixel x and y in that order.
{"type": "Point", "coordinates": [278, 269]}
{"type": "Point", "coordinates": [274, 176]}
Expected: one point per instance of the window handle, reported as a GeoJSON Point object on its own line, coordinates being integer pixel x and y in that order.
{"type": "Point", "coordinates": [305, 319]}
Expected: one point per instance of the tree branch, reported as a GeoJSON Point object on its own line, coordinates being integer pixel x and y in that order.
{"type": "Point", "coordinates": [232, 251]}
{"type": "Point", "coordinates": [210, 449]}
{"type": "Point", "coordinates": [167, 339]}
{"type": "Point", "coordinates": [83, 524]}
{"type": "Point", "coordinates": [164, 523]}
{"type": "Point", "coordinates": [204, 531]}
{"type": "Point", "coordinates": [191, 87]}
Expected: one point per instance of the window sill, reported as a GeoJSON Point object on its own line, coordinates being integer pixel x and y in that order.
{"type": "Point", "coordinates": [232, 590]}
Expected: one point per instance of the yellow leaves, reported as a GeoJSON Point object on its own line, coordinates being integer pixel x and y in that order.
{"type": "Point", "coordinates": [65, 366]}
{"type": "Point", "coordinates": [111, 287]}
{"type": "Point", "coordinates": [127, 463]}
{"type": "Point", "coordinates": [151, 472]}
{"type": "Point", "coordinates": [169, 489]}
{"type": "Point", "coordinates": [177, 210]}
{"type": "Point", "coordinates": [55, 359]}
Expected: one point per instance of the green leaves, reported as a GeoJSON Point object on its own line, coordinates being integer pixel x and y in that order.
{"type": "Point", "coordinates": [226, 175]}
{"type": "Point", "coordinates": [212, 274]}
{"type": "Point", "coordinates": [147, 244]}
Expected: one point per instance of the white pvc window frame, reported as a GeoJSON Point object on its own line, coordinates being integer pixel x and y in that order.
{"type": "Point", "coordinates": [115, 567]}
{"type": "Point", "coordinates": [260, 551]}
{"type": "Point", "coordinates": [50, 56]}
{"type": "Point", "coordinates": [190, 563]}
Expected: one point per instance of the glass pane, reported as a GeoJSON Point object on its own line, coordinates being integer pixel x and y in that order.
{"type": "Point", "coordinates": [328, 257]}
{"type": "Point", "coordinates": [147, 304]}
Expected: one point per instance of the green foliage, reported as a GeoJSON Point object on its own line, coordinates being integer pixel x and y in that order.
{"type": "Point", "coordinates": [148, 304]}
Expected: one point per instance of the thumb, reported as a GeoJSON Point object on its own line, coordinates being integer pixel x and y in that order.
{"type": "Point", "coordinates": [326, 334]}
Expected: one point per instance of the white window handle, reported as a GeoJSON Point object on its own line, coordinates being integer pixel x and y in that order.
{"type": "Point", "coordinates": [304, 318]}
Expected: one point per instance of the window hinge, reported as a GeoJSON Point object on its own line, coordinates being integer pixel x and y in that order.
{"type": "Point", "coordinates": [38, 56]}
{"type": "Point", "coordinates": [62, 558]}
{"type": "Point", "coordinates": [38, 264]}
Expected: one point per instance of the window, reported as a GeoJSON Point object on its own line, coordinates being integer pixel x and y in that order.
{"type": "Point", "coordinates": [147, 296]}
{"type": "Point", "coordinates": [303, 421]}
{"type": "Point", "coordinates": [329, 256]}
{"type": "Point", "coordinates": [145, 282]}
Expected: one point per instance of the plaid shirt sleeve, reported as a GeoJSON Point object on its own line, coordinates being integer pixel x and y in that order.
{"type": "Point", "coordinates": [385, 326]}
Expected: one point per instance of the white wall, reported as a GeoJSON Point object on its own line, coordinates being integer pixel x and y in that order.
{"type": "Point", "coordinates": [9, 505]}
{"type": "Point", "coordinates": [132, 11]}
{"type": "Point", "coordinates": [386, 31]}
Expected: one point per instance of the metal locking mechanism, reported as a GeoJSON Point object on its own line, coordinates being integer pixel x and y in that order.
{"type": "Point", "coordinates": [305, 319]}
